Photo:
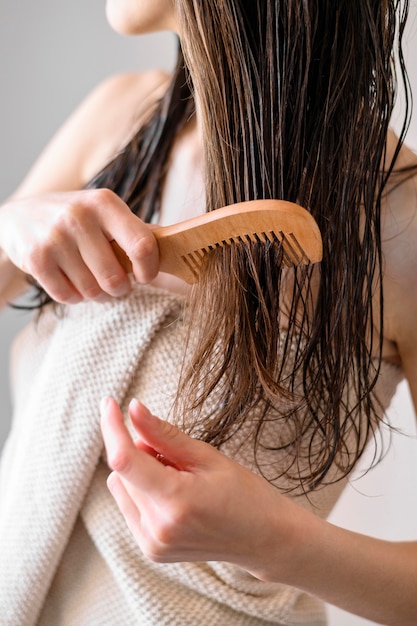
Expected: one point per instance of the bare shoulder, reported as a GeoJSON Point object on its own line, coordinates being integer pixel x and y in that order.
{"type": "Point", "coordinates": [95, 131]}
{"type": "Point", "coordinates": [115, 110]}
{"type": "Point", "coordinates": [399, 248]}
{"type": "Point", "coordinates": [399, 208]}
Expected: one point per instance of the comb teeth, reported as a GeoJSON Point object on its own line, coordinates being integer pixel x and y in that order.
{"type": "Point", "coordinates": [293, 253]}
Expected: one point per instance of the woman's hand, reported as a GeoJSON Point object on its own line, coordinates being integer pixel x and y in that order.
{"type": "Point", "coordinates": [63, 241]}
{"type": "Point", "coordinates": [185, 501]}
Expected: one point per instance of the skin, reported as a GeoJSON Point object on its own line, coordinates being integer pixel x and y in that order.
{"type": "Point", "coordinates": [194, 503]}
{"type": "Point", "coordinates": [130, 17]}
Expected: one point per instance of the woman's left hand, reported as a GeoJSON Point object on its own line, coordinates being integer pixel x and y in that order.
{"type": "Point", "coordinates": [183, 500]}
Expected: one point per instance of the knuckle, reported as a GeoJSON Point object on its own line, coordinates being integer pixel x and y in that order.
{"type": "Point", "coordinates": [81, 210]}
{"type": "Point", "coordinates": [168, 432]}
{"type": "Point", "coordinates": [143, 248]}
{"type": "Point", "coordinates": [72, 219]}
{"type": "Point", "coordinates": [151, 549]}
{"type": "Point", "coordinates": [101, 198]}
{"type": "Point", "coordinates": [169, 531]}
{"type": "Point", "coordinates": [38, 258]}
{"type": "Point", "coordinates": [119, 461]}
{"type": "Point", "coordinates": [164, 536]}
{"type": "Point", "coordinates": [102, 195]}
{"type": "Point", "coordinates": [181, 518]}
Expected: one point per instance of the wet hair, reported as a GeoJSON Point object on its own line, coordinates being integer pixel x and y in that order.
{"type": "Point", "coordinates": [294, 100]}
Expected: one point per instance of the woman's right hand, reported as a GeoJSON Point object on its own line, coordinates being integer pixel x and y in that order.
{"type": "Point", "coordinates": [63, 241]}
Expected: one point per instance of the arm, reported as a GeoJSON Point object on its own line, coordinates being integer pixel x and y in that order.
{"type": "Point", "coordinates": [60, 235]}
{"type": "Point", "coordinates": [185, 501]}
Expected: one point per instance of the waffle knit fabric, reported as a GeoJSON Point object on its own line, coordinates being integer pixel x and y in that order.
{"type": "Point", "coordinates": [66, 556]}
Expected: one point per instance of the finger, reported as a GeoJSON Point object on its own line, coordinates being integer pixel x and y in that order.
{"type": "Point", "coordinates": [58, 286]}
{"type": "Point", "coordinates": [104, 266]}
{"type": "Point", "coordinates": [119, 445]}
{"type": "Point", "coordinates": [79, 275]}
{"type": "Point", "coordinates": [64, 274]}
{"type": "Point", "coordinates": [179, 449]}
{"type": "Point", "coordinates": [131, 462]}
{"type": "Point", "coordinates": [142, 251]}
{"type": "Point", "coordinates": [50, 266]}
{"type": "Point", "coordinates": [133, 236]}
{"type": "Point", "coordinates": [127, 507]}
{"type": "Point", "coordinates": [92, 267]}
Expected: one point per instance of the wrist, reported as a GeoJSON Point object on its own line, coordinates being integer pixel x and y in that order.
{"type": "Point", "coordinates": [289, 542]}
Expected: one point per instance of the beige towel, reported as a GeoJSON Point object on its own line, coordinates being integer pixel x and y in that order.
{"type": "Point", "coordinates": [55, 443]}
{"type": "Point", "coordinates": [51, 477]}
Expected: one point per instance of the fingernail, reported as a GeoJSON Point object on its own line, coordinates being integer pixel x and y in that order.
{"type": "Point", "coordinates": [122, 290]}
{"type": "Point", "coordinates": [134, 404]}
{"type": "Point", "coordinates": [103, 404]}
{"type": "Point", "coordinates": [111, 482]}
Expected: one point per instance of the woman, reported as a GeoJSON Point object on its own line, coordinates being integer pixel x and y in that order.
{"type": "Point", "coordinates": [288, 377]}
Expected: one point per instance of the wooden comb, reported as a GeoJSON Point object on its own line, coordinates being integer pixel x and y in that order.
{"type": "Point", "coordinates": [183, 246]}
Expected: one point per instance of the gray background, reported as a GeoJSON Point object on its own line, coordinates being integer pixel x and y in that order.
{"type": "Point", "coordinates": [51, 54]}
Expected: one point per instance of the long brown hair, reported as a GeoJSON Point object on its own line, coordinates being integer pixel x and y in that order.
{"type": "Point", "coordinates": [294, 101]}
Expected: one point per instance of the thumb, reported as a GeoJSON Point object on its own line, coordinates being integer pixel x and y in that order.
{"type": "Point", "coordinates": [169, 441]}
{"type": "Point", "coordinates": [132, 240]}
{"type": "Point", "coordinates": [140, 253]}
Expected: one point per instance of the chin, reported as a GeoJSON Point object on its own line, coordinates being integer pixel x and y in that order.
{"type": "Point", "coordinates": [118, 21]}
{"type": "Point", "coordinates": [131, 22]}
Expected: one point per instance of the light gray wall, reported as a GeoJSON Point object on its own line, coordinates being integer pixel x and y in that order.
{"type": "Point", "coordinates": [52, 54]}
